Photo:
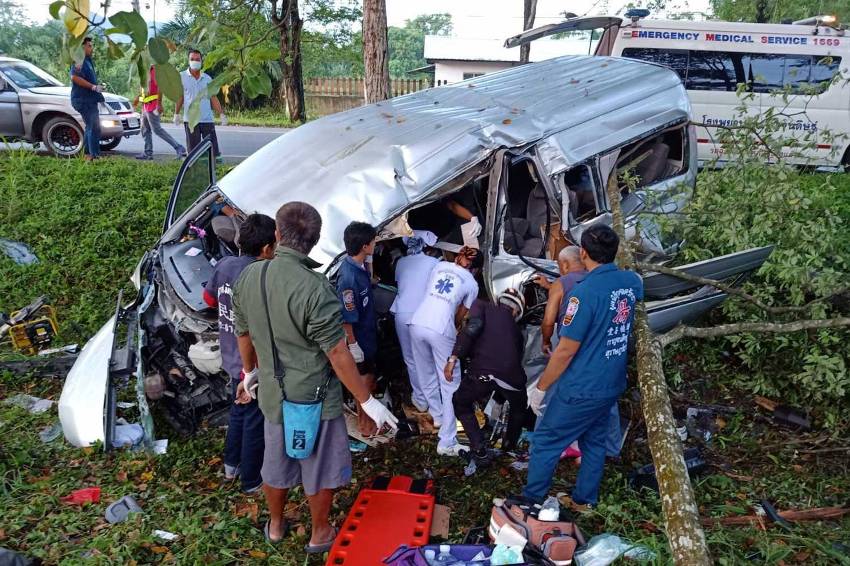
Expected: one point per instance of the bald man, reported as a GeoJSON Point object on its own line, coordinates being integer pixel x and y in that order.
{"type": "Point", "coordinates": [572, 271]}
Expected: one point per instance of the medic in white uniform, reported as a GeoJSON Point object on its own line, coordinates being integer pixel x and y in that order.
{"type": "Point", "coordinates": [411, 273]}
{"type": "Point", "coordinates": [449, 294]}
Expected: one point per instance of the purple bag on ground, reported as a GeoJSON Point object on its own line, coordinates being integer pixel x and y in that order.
{"type": "Point", "coordinates": [405, 556]}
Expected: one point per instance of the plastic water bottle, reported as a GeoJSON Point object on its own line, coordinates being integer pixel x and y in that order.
{"type": "Point", "coordinates": [550, 510]}
{"type": "Point", "coordinates": [445, 556]}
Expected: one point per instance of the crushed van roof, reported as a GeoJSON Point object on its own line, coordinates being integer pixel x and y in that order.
{"type": "Point", "coordinates": [372, 162]}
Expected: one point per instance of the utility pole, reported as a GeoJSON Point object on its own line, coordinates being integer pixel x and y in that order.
{"type": "Point", "coordinates": [529, 12]}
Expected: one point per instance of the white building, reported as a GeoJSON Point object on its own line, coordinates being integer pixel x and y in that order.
{"type": "Point", "coordinates": [454, 59]}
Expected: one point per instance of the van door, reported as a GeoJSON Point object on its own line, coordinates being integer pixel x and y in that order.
{"type": "Point", "coordinates": [196, 177]}
{"type": "Point", "coordinates": [572, 24]}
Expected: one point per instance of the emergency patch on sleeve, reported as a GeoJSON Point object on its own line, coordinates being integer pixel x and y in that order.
{"type": "Point", "coordinates": [572, 309]}
{"type": "Point", "coordinates": [348, 300]}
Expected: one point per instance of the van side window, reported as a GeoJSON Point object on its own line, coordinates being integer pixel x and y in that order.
{"type": "Point", "coordinates": [761, 72]}
{"type": "Point", "coordinates": [527, 212]}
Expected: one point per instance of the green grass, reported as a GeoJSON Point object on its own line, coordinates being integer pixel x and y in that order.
{"type": "Point", "coordinates": [90, 222]}
{"type": "Point", "coordinates": [264, 116]}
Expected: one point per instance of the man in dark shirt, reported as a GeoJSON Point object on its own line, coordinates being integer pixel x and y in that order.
{"type": "Point", "coordinates": [493, 343]}
{"type": "Point", "coordinates": [354, 286]}
{"type": "Point", "coordinates": [85, 97]}
{"type": "Point", "coordinates": [243, 446]}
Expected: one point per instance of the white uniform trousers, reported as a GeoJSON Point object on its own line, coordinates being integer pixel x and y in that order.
{"type": "Point", "coordinates": [402, 328]}
{"type": "Point", "coordinates": [431, 350]}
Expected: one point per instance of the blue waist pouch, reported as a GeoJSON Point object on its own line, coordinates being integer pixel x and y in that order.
{"type": "Point", "coordinates": [301, 421]}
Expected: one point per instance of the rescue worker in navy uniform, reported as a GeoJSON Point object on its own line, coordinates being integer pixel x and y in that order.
{"type": "Point", "coordinates": [587, 370]}
{"type": "Point", "coordinates": [354, 285]}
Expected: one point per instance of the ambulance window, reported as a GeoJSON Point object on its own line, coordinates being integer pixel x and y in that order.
{"type": "Point", "coordinates": [675, 59]}
{"type": "Point", "coordinates": [766, 71]}
{"type": "Point", "coordinates": [824, 70]}
{"type": "Point", "coordinates": [715, 70]}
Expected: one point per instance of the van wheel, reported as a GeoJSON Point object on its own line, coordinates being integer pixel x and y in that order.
{"type": "Point", "coordinates": [110, 143]}
{"type": "Point", "coordinates": [62, 136]}
{"type": "Point", "coordinates": [845, 161]}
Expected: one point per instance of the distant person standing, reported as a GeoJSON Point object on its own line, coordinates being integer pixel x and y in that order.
{"type": "Point", "coordinates": [151, 101]}
{"type": "Point", "coordinates": [86, 94]}
{"type": "Point", "coordinates": [195, 84]}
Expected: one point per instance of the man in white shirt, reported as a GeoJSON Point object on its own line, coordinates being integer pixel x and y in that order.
{"type": "Point", "coordinates": [195, 87]}
{"type": "Point", "coordinates": [449, 294]}
{"type": "Point", "coordinates": [411, 274]}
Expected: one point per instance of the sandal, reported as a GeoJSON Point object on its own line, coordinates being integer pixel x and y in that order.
{"type": "Point", "coordinates": [268, 536]}
{"type": "Point", "coordinates": [321, 548]}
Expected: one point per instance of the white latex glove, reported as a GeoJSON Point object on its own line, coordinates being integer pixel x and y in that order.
{"type": "Point", "coordinates": [251, 381]}
{"type": "Point", "coordinates": [223, 119]}
{"type": "Point", "coordinates": [535, 399]}
{"type": "Point", "coordinates": [476, 226]}
{"type": "Point", "coordinates": [156, 112]}
{"type": "Point", "coordinates": [177, 119]}
{"type": "Point", "coordinates": [97, 88]}
{"type": "Point", "coordinates": [380, 414]}
{"type": "Point", "coordinates": [356, 352]}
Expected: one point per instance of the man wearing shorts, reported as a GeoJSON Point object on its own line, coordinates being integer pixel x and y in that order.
{"type": "Point", "coordinates": [300, 312]}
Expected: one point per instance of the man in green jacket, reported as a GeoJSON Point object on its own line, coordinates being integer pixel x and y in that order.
{"type": "Point", "coordinates": [304, 314]}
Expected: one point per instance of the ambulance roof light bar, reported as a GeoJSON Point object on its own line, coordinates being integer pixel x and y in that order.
{"type": "Point", "coordinates": [636, 14]}
{"type": "Point", "coordinates": [827, 20]}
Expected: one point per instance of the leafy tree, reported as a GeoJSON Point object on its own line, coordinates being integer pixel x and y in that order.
{"type": "Point", "coordinates": [407, 44]}
{"type": "Point", "coordinates": [11, 13]}
{"type": "Point", "coordinates": [763, 11]}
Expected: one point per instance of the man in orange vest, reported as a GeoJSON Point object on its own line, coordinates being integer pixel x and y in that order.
{"type": "Point", "coordinates": [151, 111]}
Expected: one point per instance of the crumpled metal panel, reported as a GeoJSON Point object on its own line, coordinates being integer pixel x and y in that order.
{"type": "Point", "coordinates": [565, 149]}
{"type": "Point", "coordinates": [372, 162]}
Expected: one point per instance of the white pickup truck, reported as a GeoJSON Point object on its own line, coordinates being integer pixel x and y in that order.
{"type": "Point", "coordinates": [35, 107]}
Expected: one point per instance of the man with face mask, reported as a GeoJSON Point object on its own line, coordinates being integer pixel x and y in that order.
{"type": "Point", "coordinates": [85, 98]}
{"type": "Point", "coordinates": [195, 85]}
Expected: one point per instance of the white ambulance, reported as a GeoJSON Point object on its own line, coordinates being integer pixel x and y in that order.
{"type": "Point", "coordinates": [810, 59]}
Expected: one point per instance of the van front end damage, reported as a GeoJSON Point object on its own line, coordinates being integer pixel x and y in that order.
{"type": "Point", "coordinates": [88, 402]}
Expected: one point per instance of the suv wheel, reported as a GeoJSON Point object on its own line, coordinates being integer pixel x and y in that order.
{"type": "Point", "coordinates": [110, 143]}
{"type": "Point", "coordinates": [62, 136]}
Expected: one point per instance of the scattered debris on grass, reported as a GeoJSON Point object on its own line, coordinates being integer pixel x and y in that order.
{"type": "Point", "coordinates": [18, 252]}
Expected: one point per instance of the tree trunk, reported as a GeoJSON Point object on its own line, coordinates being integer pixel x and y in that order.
{"type": "Point", "coordinates": [681, 515]}
{"type": "Point", "coordinates": [529, 12]}
{"type": "Point", "coordinates": [376, 61]}
{"type": "Point", "coordinates": [289, 24]}
{"type": "Point", "coordinates": [761, 11]}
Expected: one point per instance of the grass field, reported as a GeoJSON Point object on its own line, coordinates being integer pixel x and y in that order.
{"type": "Point", "coordinates": [89, 225]}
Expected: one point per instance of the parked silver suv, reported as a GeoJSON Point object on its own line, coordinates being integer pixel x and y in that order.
{"type": "Point", "coordinates": [36, 107]}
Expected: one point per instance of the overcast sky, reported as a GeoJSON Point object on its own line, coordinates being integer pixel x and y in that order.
{"type": "Point", "coordinates": [470, 18]}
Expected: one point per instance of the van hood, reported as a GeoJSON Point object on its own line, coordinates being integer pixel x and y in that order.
{"type": "Point", "coordinates": [66, 92]}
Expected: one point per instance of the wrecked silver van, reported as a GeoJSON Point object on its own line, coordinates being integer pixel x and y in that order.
{"type": "Point", "coordinates": [529, 149]}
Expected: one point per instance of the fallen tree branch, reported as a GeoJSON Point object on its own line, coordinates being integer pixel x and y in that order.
{"type": "Point", "coordinates": [814, 514]}
{"type": "Point", "coordinates": [825, 450]}
{"type": "Point", "coordinates": [743, 327]}
{"type": "Point", "coordinates": [729, 289]}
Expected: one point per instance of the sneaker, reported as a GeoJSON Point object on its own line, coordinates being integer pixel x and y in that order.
{"type": "Point", "coordinates": [254, 489]}
{"type": "Point", "coordinates": [231, 472]}
{"type": "Point", "coordinates": [453, 451]}
{"type": "Point", "coordinates": [421, 407]}
{"type": "Point", "coordinates": [219, 159]}
{"type": "Point", "coordinates": [181, 152]}
{"type": "Point", "coordinates": [144, 157]}
{"type": "Point", "coordinates": [482, 458]}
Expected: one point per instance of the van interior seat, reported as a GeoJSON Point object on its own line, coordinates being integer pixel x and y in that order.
{"type": "Point", "coordinates": [653, 166]}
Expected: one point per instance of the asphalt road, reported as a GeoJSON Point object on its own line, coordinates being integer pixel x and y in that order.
{"type": "Point", "coordinates": [236, 142]}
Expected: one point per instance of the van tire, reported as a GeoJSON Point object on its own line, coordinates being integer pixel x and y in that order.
{"type": "Point", "coordinates": [62, 136]}
{"type": "Point", "coordinates": [845, 161]}
{"type": "Point", "coordinates": [107, 144]}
